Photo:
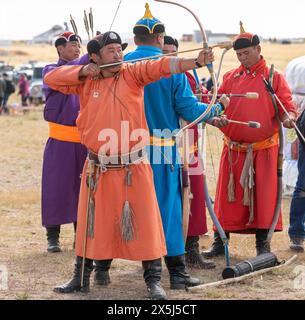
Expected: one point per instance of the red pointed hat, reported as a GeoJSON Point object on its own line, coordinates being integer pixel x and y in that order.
{"type": "Point", "coordinates": [245, 39]}
{"type": "Point", "coordinates": [67, 37]}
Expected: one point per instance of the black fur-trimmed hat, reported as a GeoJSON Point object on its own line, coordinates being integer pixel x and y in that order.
{"type": "Point", "coordinates": [171, 40]}
{"type": "Point", "coordinates": [100, 41]}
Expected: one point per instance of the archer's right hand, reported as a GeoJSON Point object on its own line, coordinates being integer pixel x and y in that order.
{"type": "Point", "coordinates": [90, 69]}
{"type": "Point", "coordinates": [224, 100]}
{"type": "Point", "coordinates": [220, 122]}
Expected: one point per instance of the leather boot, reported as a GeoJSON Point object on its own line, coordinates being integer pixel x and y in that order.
{"type": "Point", "coordinates": [192, 256]}
{"type": "Point", "coordinates": [180, 279]}
{"type": "Point", "coordinates": [152, 277]}
{"type": "Point", "coordinates": [101, 272]}
{"type": "Point", "coordinates": [74, 285]}
{"type": "Point", "coordinates": [296, 244]}
{"type": "Point", "coordinates": [217, 248]}
{"type": "Point", "coordinates": [53, 238]}
{"type": "Point", "coordinates": [262, 245]}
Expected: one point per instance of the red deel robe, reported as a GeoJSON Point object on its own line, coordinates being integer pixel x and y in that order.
{"type": "Point", "coordinates": [197, 220]}
{"type": "Point", "coordinates": [234, 216]}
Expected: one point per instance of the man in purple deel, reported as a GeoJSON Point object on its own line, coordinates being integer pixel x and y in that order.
{"type": "Point", "coordinates": [64, 155]}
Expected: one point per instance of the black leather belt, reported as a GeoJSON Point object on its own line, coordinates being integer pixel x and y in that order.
{"type": "Point", "coordinates": [118, 161]}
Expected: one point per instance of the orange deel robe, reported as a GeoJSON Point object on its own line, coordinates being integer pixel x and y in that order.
{"type": "Point", "coordinates": [234, 216]}
{"type": "Point", "coordinates": [105, 103]}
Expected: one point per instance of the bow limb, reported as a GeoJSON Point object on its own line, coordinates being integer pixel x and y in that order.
{"type": "Point", "coordinates": [220, 63]}
{"type": "Point", "coordinates": [227, 46]}
{"type": "Point", "coordinates": [209, 66]}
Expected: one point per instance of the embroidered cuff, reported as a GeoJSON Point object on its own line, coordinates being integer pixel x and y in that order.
{"type": "Point", "coordinates": [174, 65]}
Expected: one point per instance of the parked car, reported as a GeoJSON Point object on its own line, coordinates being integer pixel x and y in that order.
{"type": "Point", "coordinates": [36, 86]}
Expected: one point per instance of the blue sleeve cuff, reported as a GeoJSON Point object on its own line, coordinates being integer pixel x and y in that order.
{"type": "Point", "coordinates": [220, 108]}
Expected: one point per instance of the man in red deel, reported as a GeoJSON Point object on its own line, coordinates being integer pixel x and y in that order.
{"type": "Point", "coordinates": [247, 185]}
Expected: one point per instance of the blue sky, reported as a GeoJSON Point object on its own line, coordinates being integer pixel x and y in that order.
{"type": "Point", "coordinates": [269, 18]}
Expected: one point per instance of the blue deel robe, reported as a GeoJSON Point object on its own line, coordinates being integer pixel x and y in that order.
{"type": "Point", "coordinates": [166, 101]}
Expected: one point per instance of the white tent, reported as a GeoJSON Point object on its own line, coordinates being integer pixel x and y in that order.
{"type": "Point", "coordinates": [295, 75]}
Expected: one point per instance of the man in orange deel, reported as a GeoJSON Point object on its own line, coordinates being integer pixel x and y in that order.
{"type": "Point", "coordinates": [118, 213]}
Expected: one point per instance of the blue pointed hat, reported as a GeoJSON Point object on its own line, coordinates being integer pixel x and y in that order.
{"type": "Point", "coordinates": [148, 24]}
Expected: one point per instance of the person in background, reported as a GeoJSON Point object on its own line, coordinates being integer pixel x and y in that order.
{"type": "Point", "coordinates": [9, 90]}
{"type": "Point", "coordinates": [64, 155]}
{"type": "Point", "coordinates": [24, 91]}
{"type": "Point", "coordinates": [197, 218]}
{"type": "Point", "coordinates": [2, 92]}
{"type": "Point", "coordinates": [295, 78]}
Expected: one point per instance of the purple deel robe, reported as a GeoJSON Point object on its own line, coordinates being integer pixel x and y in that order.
{"type": "Point", "coordinates": [62, 161]}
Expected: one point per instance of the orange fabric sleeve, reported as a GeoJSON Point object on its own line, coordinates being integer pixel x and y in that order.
{"type": "Point", "coordinates": [65, 79]}
{"type": "Point", "coordinates": [146, 72]}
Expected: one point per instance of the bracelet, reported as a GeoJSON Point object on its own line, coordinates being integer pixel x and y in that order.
{"type": "Point", "coordinates": [198, 64]}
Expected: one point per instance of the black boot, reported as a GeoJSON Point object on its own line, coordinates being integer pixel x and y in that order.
{"type": "Point", "coordinates": [262, 245]}
{"type": "Point", "coordinates": [101, 272]}
{"type": "Point", "coordinates": [217, 248]}
{"type": "Point", "coordinates": [296, 244]}
{"type": "Point", "coordinates": [53, 239]}
{"type": "Point", "coordinates": [180, 279]}
{"type": "Point", "coordinates": [74, 285]}
{"type": "Point", "coordinates": [152, 277]}
{"type": "Point", "coordinates": [192, 256]}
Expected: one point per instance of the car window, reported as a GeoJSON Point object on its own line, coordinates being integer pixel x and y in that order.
{"type": "Point", "coordinates": [37, 73]}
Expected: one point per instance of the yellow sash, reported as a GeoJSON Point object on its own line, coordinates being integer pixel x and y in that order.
{"type": "Point", "coordinates": [63, 133]}
{"type": "Point", "coordinates": [260, 145]}
{"type": "Point", "coordinates": [161, 142]}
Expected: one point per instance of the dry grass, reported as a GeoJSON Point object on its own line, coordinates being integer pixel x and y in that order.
{"type": "Point", "coordinates": [33, 272]}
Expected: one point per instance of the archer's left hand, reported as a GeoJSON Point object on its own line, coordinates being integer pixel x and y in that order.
{"type": "Point", "coordinates": [289, 122]}
{"type": "Point", "coordinates": [205, 57]}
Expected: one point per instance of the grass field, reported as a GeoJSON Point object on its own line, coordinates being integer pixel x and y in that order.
{"type": "Point", "coordinates": [33, 272]}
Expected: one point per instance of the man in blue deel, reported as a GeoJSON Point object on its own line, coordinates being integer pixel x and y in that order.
{"type": "Point", "coordinates": [166, 101]}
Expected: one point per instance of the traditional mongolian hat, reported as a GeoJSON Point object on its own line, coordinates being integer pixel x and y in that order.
{"type": "Point", "coordinates": [67, 37]}
{"type": "Point", "coordinates": [96, 44]}
{"type": "Point", "coordinates": [245, 39]}
{"type": "Point", "coordinates": [148, 24]}
{"type": "Point", "coordinates": [171, 41]}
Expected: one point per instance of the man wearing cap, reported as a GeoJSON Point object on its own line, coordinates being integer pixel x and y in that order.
{"type": "Point", "coordinates": [197, 219]}
{"type": "Point", "coordinates": [118, 214]}
{"type": "Point", "coordinates": [2, 91]}
{"type": "Point", "coordinates": [246, 194]}
{"type": "Point", "coordinates": [64, 155]}
{"type": "Point", "coordinates": [166, 101]}
{"type": "Point", "coordinates": [9, 89]}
